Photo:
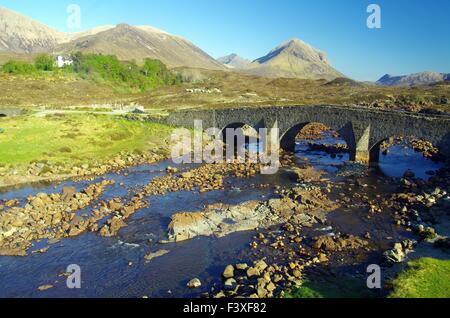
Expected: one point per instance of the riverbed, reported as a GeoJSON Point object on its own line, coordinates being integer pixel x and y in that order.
{"type": "Point", "coordinates": [115, 267]}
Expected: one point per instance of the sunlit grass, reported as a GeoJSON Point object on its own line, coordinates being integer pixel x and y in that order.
{"type": "Point", "coordinates": [424, 278]}
{"type": "Point", "coordinates": [75, 138]}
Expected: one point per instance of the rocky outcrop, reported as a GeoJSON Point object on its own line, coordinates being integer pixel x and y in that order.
{"type": "Point", "coordinates": [299, 206]}
{"type": "Point", "coordinates": [339, 243]}
{"type": "Point", "coordinates": [218, 220]}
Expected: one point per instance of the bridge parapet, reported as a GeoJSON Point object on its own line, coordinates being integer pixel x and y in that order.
{"type": "Point", "coordinates": [362, 128]}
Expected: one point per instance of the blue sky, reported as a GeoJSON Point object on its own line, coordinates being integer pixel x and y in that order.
{"type": "Point", "coordinates": [415, 34]}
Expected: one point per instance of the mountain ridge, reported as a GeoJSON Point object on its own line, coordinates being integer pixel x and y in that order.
{"type": "Point", "coordinates": [21, 34]}
{"type": "Point", "coordinates": [137, 43]}
{"type": "Point", "coordinates": [415, 79]}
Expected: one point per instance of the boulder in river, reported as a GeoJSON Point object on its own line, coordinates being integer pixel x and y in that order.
{"type": "Point", "coordinates": [194, 283]}
{"type": "Point", "coordinates": [228, 272]}
{"type": "Point", "coordinates": [218, 220]}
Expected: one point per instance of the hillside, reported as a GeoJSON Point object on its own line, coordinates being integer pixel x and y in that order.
{"type": "Point", "coordinates": [20, 34]}
{"type": "Point", "coordinates": [137, 43]}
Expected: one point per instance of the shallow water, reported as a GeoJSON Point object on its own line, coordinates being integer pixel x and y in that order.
{"type": "Point", "coordinates": [105, 262]}
{"type": "Point", "coordinates": [401, 159]}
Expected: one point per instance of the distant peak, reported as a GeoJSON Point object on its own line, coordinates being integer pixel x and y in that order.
{"type": "Point", "coordinates": [123, 26]}
{"type": "Point", "coordinates": [232, 56]}
{"type": "Point", "coordinates": [385, 76]}
{"type": "Point", "coordinates": [297, 45]}
{"type": "Point", "coordinates": [294, 42]}
{"type": "Point", "coordinates": [234, 61]}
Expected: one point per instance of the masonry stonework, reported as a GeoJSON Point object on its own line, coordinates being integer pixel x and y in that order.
{"type": "Point", "coordinates": [363, 129]}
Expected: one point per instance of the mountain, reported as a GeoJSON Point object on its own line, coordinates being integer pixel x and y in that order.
{"type": "Point", "coordinates": [234, 61]}
{"type": "Point", "coordinates": [76, 35]}
{"type": "Point", "coordinates": [417, 79]}
{"type": "Point", "coordinates": [20, 34]}
{"type": "Point", "coordinates": [140, 42]}
{"type": "Point", "coordinates": [296, 59]}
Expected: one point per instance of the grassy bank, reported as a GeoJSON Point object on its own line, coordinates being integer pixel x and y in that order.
{"type": "Point", "coordinates": [333, 288]}
{"type": "Point", "coordinates": [75, 139]}
{"type": "Point", "coordinates": [424, 278]}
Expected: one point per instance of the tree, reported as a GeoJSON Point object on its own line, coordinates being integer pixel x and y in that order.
{"type": "Point", "coordinates": [44, 62]}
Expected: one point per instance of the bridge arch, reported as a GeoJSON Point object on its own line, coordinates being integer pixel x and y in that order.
{"type": "Point", "coordinates": [288, 138]}
{"type": "Point", "coordinates": [248, 131]}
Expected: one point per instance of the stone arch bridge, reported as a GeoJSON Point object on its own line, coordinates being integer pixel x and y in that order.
{"type": "Point", "coordinates": [364, 129]}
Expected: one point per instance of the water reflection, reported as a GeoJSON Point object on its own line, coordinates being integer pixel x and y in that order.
{"type": "Point", "coordinates": [321, 159]}
{"type": "Point", "coordinates": [400, 159]}
{"type": "Point", "coordinates": [394, 164]}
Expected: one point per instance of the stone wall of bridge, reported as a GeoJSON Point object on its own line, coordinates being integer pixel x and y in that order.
{"type": "Point", "coordinates": [363, 129]}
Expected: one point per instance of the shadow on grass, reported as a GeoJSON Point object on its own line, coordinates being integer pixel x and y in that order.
{"type": "Point", "coordinates": [334, 288]}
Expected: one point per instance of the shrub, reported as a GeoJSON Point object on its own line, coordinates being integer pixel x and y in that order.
{"type": "Point", "coordinates": [104, 69]}
{"type": "Point", "coordinates": [65, 149]}
{"type": "Point", "coordinates": [18, 67]}
{"type": "Point", "coordinates": [44, 62]}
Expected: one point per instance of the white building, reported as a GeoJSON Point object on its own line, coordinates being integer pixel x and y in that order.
{"type": "Point", "coordinates": [61, 61]}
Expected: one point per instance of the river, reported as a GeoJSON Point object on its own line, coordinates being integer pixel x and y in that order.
{"type": "Point", "coordinates": [115, 267]}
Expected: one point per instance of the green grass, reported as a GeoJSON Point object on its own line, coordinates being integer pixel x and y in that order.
{"type": "Point", "coordinates": [75, 138]}
{"type": "Point", "coordinates": [424, 278]}
{"type": "Point", "coordinates": [336, 288]}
